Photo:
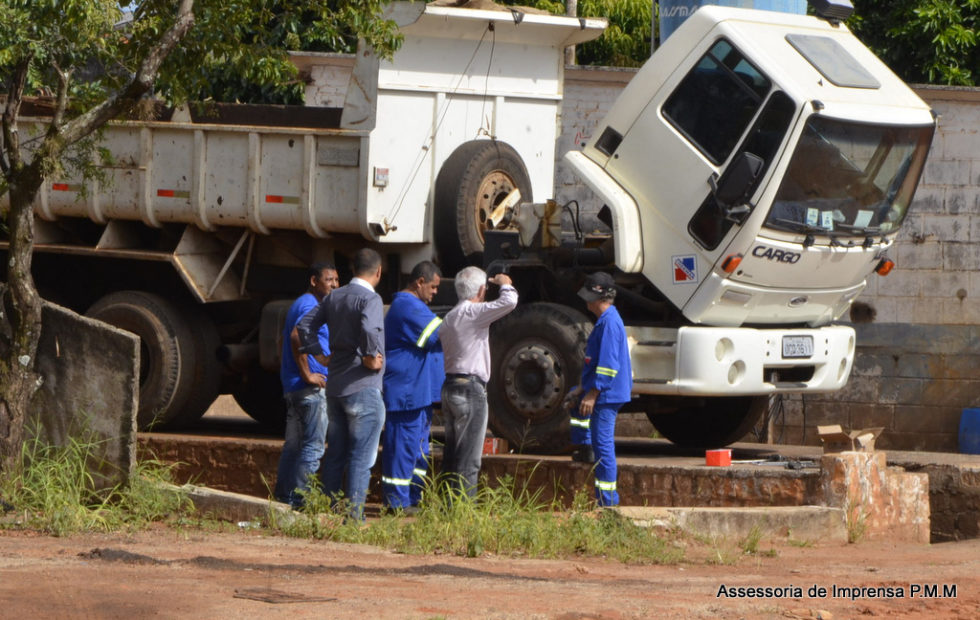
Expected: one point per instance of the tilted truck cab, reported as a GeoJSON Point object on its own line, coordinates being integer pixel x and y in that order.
{"type": "Point", "coordinates": [756, 169]}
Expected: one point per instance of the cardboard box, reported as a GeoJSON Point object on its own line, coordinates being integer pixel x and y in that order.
{"type": "Point", "coordinates": [718, 458]}
{"type": "Point", "coordinates": [494, 445]}
{"type": "Point", "coordinates": [836, 439]}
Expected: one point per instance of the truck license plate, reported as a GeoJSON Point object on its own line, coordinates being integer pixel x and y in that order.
{"type": "Point", "coordinates": [797, 346]}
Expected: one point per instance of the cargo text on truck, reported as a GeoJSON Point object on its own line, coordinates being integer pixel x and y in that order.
{"type": "Point", "coordinates": [753, 175]}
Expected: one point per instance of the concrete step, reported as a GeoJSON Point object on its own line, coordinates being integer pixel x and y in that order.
{"type": "Point", "coordinates": [796, 523]}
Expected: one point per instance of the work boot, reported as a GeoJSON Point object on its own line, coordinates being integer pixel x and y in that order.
{"type": "Point", "coordinates": [583, 454]}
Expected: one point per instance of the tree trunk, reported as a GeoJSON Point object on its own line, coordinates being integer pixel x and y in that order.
{"type": "Point", "coordinates": [571, 10]}
{"type": "Point", "coordinates": [21, 305]}
{"type": "Point", "coordinates": [22, 311]}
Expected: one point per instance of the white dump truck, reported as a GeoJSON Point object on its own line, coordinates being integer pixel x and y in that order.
{"type": "Point", "coordinates": [753, 175]}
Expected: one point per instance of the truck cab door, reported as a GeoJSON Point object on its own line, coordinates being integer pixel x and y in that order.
{"type": "Point", "coordinates": [688, 134]}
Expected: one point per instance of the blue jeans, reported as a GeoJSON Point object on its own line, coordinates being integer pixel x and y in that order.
{"type": "Point", "coordinates": [352, 445]}
{"type": "Point", "coordinates": [306, 430]}
{"type": "Point", "coordinates": [464, 410]}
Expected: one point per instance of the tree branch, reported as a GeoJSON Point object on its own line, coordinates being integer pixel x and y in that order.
{"type": "Point", "coordinates": [15, 96]}
{"type": "Point", "coordinates": [141, 83]}
{"type": "Point", "coordinates": [61, 102]}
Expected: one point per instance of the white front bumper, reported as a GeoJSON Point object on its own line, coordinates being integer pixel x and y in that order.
{"type": "Point", "coordinates": [724, 361]}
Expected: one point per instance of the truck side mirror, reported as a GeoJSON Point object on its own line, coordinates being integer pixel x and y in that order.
{"type": "Point", "coordinates": [732, 190]}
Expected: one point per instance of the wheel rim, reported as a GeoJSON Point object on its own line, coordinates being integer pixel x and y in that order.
{"type": "Point", "coordinates": [532, 380]}
{"type": "Point", "coordinates": [493, 189]}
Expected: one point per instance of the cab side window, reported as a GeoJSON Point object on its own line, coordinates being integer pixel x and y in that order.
{"type": "Point", "coordinates": [715, 102]}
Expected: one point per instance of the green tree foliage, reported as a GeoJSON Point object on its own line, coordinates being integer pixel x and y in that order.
{"type": "Point", "coordinates": [238, 51]}
{"type": "Point", "coordinates": [932, 41]}
{"type": "Point", "coordinates": [91, 68]}
{"type": "Point", "coordinates": [625, 43]}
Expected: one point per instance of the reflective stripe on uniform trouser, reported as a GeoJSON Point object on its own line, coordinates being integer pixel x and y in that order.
{"type": "Point", "coordinates": [423, 464]}
{"type": "Point", "coordinates": [603, 444]}
{"type": "Point", "coordinates": [579, 429]}
{"type": "Point", "coordinates": [399, 453]}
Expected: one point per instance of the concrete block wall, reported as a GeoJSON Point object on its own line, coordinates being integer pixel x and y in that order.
{"type": "Point", "coordinates": [937, 254]}
{"type": "Point", "coordinates": [918, 358]}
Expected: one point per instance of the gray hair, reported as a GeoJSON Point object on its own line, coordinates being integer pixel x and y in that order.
{"type": "Point", "coordinates": [469, 281]}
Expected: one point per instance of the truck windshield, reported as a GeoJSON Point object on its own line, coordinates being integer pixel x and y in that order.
{"type": "Point", "coordinates": [850, 178]}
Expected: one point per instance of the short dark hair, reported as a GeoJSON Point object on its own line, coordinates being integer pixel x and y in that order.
{"type": "Point", "coordinates": [366, 262]}
{"type": "Point", "coordinates": [427, 270]}
{"type": "Point", "coordinates": [319, 267]}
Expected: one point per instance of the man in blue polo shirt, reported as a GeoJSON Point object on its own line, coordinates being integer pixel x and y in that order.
{"type": "Point", "coordinates": [607, 383]}
{"type": "Point", "coordinates": [411, 343]}
{"type": "Point", "coordinates": [303, 382]}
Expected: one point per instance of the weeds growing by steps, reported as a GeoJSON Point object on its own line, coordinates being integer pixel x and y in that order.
{"type": "Point", "coordinates": [56, 492]}
{"type": "Point", "coordinates": [503, 520]}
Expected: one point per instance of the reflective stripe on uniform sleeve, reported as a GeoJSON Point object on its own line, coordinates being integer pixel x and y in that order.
{"type": "Point", "coordinates": [431, 327]}
{"type": "Point", "coordinates": [581, 422]}
{"type": "Point", "coordinates": [421, 473]}
{"type": "Point", "coordinates": [609, 372]}
{"type": "Point", "coordinates": [398, 482]}
{"type": "Point", "coordinates": [605, 486]}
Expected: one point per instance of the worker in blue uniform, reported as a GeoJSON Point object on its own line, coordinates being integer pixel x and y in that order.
{"type": "Point", "coordinates": [423, 464]}
{"type": "Point", "coordinates": [607, 383]}
{"type": "Point", "coordinates": [411, 337]}
{"type": "Point", "coordinates": [303, 382]}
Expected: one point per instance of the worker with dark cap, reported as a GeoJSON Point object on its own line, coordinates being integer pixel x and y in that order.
{"type": "Point", "coordinates": [607, 383]}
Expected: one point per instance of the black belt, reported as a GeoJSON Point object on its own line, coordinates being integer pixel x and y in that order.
{"type": "Point", "coordinates": [466, 378]}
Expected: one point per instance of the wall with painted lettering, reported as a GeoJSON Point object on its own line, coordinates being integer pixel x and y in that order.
{"type": "Point", "coordinates": [918, 362]}
{"type": "Point", "coordinates": [674, 12]}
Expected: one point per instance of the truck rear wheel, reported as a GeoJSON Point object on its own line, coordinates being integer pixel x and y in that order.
{"type": "Point", "coordinates": [473, 181]}
{"type": "Point", "coordinates": [260, 396]}
{"type": "Point", "coordinates": [206, 380]}
{"type": "Point", "coordinates": [537, 354]}
{"type": "Point", "coordinates": [708, 422]}
{"type": "Point", "coordinates": [167, 352]}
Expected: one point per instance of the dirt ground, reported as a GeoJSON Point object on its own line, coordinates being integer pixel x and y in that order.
{"type": "Point", "coordinates": [172, 573]}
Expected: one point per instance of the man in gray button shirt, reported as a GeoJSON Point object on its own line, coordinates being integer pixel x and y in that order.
{"type": "Point", "coordinates": [465, 337]}
{"type": "Point", "coordinates": [355, 318]}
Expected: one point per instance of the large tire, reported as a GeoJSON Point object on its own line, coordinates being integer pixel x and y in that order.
{"type": "Point", "coordinates": [206, 380]}
{"type": "Point", "coordinates": [167, 352]}
{"type": "Point", "coordinates": [260, 396]}
{"type": "Point", "coordinates": [472, 182]}
{"type": "Point", "coordinates": [537, 354]}
{"type": "Point", "coordinates": [708, 422]}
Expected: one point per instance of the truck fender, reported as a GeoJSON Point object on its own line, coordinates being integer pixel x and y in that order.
{"type": "Point", "coordinates": [626, 214]}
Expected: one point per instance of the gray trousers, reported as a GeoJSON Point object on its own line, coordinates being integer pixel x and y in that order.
{"type": "Point", "coordinates": [464, 409]}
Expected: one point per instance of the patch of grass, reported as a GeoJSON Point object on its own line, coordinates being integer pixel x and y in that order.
{"type": "Point", "coordinates": [856, 521]}
{"type": "Point", "coordinates": [54, 491]}
{"type": "Point", "coordinates": [750, 544]}
{"type": "Point", "coordinates": [502, 520]}
{"type": "Point", "coordinates": [803, 544]}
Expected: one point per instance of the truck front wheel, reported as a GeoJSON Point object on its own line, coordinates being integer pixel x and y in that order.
{"type": "Point", "coordinates": [168, 353]}
{"type": "Point", "coordinates": [705, 422]}
{"type": "Point", "coordinates": [472, 182]}
{"type": "Point", "coordinates": [536, 354]}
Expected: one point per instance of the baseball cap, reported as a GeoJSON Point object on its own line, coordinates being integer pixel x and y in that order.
{"type": "Point", "coordinates": [596, 286]}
